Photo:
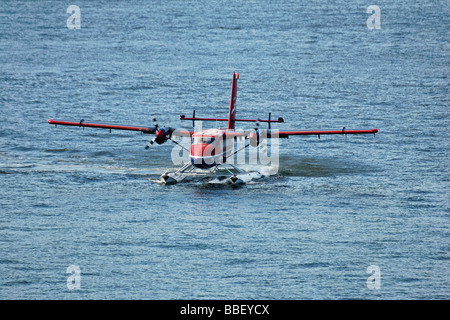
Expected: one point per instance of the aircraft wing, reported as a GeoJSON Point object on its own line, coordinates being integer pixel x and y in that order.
{"type": "Point", "coordinates": [146, 130]}
{"type": "Point", "coordinates": [286, 134]}
{"type": "Point", "coordinates": [182, 133]}
{"type": "Point", "coordinates": [103, 126]}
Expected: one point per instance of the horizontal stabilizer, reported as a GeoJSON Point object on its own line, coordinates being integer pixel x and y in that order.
{"type": "Point", "coordinates": [182, 117]}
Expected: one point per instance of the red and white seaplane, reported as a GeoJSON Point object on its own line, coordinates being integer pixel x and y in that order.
{"type": "Point", "coordinates": [210, 148]}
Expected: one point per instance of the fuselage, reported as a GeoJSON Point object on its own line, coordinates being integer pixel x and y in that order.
{"type": "Point", "coordinates": [209, 148]}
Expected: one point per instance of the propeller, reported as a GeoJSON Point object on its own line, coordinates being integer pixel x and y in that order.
{"type": "Point", "coordinates": [254, 136]}
{"type": "Point", "coordinates": [161, 135]}
{"type": "Point", "coordinates": [155, 123]}
{"type": "Point", "coordinates": [150, 143]}
{"type": "Point", "coordinates": [257, 124]}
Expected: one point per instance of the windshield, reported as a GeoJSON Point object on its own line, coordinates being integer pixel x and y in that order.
{"type": "Point", "coordinates": [206, 140]}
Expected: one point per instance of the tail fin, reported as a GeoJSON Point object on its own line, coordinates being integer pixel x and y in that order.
{"type": "Point", "coordinates": [232, 113]}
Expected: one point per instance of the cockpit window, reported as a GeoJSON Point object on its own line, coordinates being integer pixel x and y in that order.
{"type": "Point", "coordinates": [206, 140]}
{"type": "Point", "coordinates": [196, 140]}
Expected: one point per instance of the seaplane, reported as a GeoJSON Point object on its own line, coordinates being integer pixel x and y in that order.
{"type": "Point", "coordinates": [211, 149]}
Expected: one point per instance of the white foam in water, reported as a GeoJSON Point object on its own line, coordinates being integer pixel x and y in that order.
{"type": "Point", "coordinates": [252, 174]}
{"type": "Point", "coordinates": [261, 169]}
{"type": "Point", "coordinates": [268, 170]}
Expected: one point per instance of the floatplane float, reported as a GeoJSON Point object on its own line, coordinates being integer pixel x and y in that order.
{"type": "Point", "coordinates": [211, 148]}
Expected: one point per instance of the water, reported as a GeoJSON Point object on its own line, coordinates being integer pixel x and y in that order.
{"type": "Point", "coordinates": [337, 205]}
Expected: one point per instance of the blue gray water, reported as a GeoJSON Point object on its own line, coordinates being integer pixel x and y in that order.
{"type": "Point", "coordinates": [338, 205]}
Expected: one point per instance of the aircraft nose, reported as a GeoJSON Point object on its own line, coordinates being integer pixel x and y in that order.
{"type": "Point", "coordinates": [202, 150]}
{"type": "Point", "coordinates": [197, 150]}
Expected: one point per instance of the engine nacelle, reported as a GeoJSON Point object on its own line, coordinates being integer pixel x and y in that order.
{"type": "Point", "coordinates": [162, 135]}
{"type": "Point", "coordinates": [257, 137]}
{"type": "Point", "coordinates": [254, 138]}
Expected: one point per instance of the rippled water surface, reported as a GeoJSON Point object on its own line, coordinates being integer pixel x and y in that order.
{"type": "Point", "coordinates": [336, 206]}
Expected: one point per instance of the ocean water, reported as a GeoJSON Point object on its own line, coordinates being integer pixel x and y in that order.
{"type": "Point", "coordinates": [337, 205]}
